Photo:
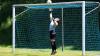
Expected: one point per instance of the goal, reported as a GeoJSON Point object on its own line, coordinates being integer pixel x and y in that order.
{"type": "Point", "coordinates": [78, 29]}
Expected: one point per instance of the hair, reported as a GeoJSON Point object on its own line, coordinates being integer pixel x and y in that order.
{"type": "Point", "coordinates": [57, 19]}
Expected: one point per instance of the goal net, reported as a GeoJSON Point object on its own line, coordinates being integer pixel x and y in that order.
{"type": "Point", "coordinates": [78, 32]}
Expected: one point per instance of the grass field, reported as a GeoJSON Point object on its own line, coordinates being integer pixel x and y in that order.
{"type": "Point", "coordinates": [7, 51]}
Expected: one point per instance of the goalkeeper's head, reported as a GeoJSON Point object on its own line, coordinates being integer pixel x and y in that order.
{"type": "Point", "coordinates": [57, 19]}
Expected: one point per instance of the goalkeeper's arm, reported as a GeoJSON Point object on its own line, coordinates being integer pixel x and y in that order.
{"type": "Point", "coordinates": [51, 17]}
{"type": "Point", "coordinates": [50, 10]}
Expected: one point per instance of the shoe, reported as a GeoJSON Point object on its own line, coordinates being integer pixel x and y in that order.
{"type": "Point", "coordinates": [53, 53]}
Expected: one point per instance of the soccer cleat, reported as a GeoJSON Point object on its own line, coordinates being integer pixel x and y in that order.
{"type": "Point", "coordinates": [53, 53]}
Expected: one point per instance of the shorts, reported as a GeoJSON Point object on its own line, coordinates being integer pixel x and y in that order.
{"type": "Point", "coordinates": [52, 34]}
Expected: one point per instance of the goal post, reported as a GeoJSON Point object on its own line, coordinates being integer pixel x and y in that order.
{"type": "Point", "coordinates": [83, 28]}
{"type": "Point", "coordinates": [74, 17]}
{"type": "Point", "coordinates": [13, 31]}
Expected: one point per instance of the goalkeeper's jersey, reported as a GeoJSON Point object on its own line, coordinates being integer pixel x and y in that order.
{"type": "Point", "coordinates": [52, 26]}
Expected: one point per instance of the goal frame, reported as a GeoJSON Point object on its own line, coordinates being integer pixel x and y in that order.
{"type": "Point", "coordinates": [25, 5]}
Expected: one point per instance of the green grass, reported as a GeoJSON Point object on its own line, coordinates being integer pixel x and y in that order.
{"type": "Point", "coordinates": [7, 51]}
{"type": "Point", "coordinates": [35, 52]}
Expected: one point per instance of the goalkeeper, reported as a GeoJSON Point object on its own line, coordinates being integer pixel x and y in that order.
{"type": "Point", "coordinates": [53, 23]}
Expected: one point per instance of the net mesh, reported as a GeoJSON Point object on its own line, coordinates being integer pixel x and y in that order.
{"type": "Point", "coordinates": [32, 27]}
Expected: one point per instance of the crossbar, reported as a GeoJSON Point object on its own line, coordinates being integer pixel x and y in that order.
{"type": "Point", "coordinates": [61, 3]}
{"type": "Point", "coordinates": [74, 2]}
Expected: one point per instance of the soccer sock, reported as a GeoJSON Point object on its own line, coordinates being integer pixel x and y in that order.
{"type": "Point", "coordinates": [53, 45]}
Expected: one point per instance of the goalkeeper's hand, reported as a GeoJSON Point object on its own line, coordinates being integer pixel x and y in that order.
{"type": "Point", "coordinates": [49, 1]}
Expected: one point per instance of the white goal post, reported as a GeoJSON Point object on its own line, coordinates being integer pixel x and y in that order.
{"type": "Point", "coordinates": [52, 6]}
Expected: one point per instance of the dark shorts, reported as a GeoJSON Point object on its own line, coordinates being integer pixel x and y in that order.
{"type": "Point", "coordinates": [52, 35]}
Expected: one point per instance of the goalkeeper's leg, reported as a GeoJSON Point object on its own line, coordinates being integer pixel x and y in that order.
{"type": "Point", "coordinates": [53, 42]}
{"type": "Point", "coordinates": [53, 45]}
